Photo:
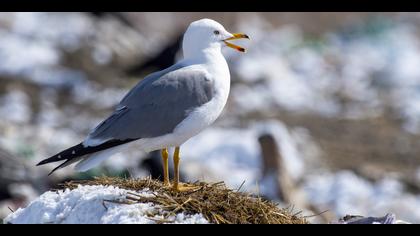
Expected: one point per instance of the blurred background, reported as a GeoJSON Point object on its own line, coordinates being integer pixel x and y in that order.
{"type": "Point", "coordinates": [323, 115]}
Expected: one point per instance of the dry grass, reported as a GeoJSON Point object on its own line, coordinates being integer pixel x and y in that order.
{"type": "Point", "coordinates": [215, 202]}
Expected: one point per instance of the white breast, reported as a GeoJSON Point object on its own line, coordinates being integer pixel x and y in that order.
{"type": "Point", "coordinates": [205, 115]}
{"type": "Point", "coordinates": [202, 117]}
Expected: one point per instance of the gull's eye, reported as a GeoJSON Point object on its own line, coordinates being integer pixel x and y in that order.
{"type": "Point", "coordinates": [216, 32]}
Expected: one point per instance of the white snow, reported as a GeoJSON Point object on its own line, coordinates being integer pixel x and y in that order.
{"type": "Point", "coordinates": [345, 193]}
{"type": "Point", "coordinates": [15, 107]}
{"type": "Point", "coordinates": [85, 205]}
{"type": "Point", "coordinates": [13, 48]}
{"type": "Point", "coordinates": [59, 30]}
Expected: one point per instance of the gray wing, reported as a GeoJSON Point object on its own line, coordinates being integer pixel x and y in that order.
{"type": "Point", "coordinates": [157, 105]}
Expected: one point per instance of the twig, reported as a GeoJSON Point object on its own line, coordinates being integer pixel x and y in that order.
{"type": "Point", "coordinates": [314, 215]}
{"type": "Point", "coordinates": [161, 221]}
{"type": "Point", "coordinates": [181, 206]}
{"type": "Point", "coordinates": [11, 209]}
{"type": "Point", "coordinates": [114, 201]}
{"type": "Point", "coordinates": [297, 214]}
{"type": "Point", "coordinates": [103, 204]}
{"type": "Point", "coordinates": [239, 189]}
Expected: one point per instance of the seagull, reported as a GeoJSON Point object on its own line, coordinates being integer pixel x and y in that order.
{"type": "Point", "coordinates": [167, 107]}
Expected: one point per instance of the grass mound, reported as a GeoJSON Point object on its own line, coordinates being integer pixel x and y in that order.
{"type": "Point", "coordinates": [215, 202]}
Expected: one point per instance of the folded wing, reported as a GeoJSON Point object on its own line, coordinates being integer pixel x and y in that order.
{"type": "Point", "coordinates": [151, 109]}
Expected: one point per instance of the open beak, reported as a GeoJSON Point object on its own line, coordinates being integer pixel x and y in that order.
{"type": "Point", "coordinates": [236, 36]}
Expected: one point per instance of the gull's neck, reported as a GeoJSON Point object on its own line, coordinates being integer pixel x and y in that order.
{"type": "Point", "coordinates": [212, 59]}
{"type": "Point", "coordinates": [212, 54]}
{"type": "Point", "coordinates": [215, 63]}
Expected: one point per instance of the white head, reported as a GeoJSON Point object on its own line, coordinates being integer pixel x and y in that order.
{"type": "Point", "coordinates": [208, 34]}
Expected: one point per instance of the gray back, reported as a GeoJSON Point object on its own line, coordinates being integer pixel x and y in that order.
{"type": "Point", "coordinates": [157, 104]}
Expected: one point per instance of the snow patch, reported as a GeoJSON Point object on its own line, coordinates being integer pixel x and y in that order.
{"type": "Point", "coordinates": [15, 107]}
{"type": "Point", "coordinates": [348, 194]}
{"type": "Point", "coordinates": [85, 205]}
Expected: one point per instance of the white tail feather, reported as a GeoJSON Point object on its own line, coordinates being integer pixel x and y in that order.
{"type": "Point", "coordinates": [95, 159]}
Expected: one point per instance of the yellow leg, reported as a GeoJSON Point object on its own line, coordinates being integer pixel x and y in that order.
{"type": "Point", "coordinates": [177, 185]}
{"type": "Point", "coordinates": [165, 157]}
{"type": "Point", "coordinates": [176, 169]}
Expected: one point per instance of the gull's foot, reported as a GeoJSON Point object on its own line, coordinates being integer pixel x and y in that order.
{"type": "Point", "coordinates": [183, 187]}
{"type": "Point", "coordinates": [166, 184]}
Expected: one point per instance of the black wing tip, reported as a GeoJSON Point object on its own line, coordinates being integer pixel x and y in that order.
{"type": "Point", "coordinates": [69, 155]}
{"type": "Point", "coordinates": [47, 161]}
{"type": "Point", "coordinates": [64, 155]}
{"type": "Point", "coordinates": [51, 172]}
{"type": "Point", "coordinates": [56, 168]}
{"type": "Point", "coordinates": [42, 162]}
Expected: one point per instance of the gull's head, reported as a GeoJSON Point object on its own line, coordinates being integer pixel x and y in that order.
{"type": "Point", "coordinates": [208, 34]}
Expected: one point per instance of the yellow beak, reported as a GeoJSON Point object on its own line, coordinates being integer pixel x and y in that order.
{"type": "Point", "coordinates": [236, 36]}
